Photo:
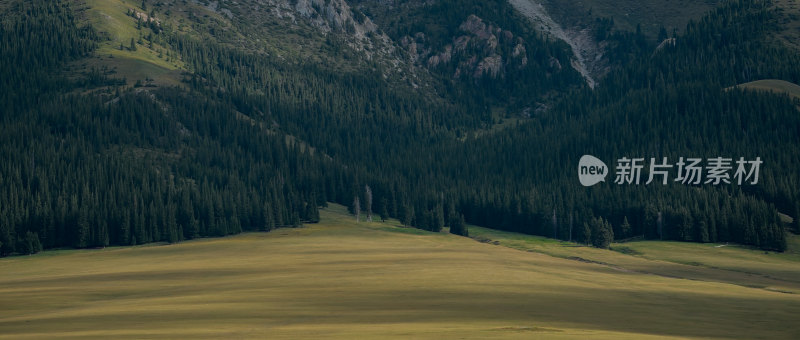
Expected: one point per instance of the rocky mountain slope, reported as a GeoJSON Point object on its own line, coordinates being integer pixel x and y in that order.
{"type": "Point", "coordinates": [587, 54]}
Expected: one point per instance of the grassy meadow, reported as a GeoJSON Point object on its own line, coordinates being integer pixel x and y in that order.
{"type": "Point", "coordinates": [147, 65]}
{"type": "Point", "coordinates": [775, 86]}
{"type": "Point", "coordinates": [341, 279]}
{"type": "Point", "coordinates": [723, 263]}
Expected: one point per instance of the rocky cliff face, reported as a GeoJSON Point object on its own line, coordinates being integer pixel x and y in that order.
{"type": "Point", "coordinates": [329, 33]}
{"type": "Point", "coordinates": [588, 54]}
{"type": "Point", "coordinates": [326, 17]}
{"type": "Point", "coordinates": [412, 43]}
{"type": "Point", "coordinates": [480, 50]}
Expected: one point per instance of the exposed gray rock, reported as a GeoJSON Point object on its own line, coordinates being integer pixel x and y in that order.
{"type": "Point", "coordinates": [490, 66]}
{"type": "Point", "coordinates": [583, 46]}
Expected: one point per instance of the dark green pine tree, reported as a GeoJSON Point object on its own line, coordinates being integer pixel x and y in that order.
{"type": "Point", "coordinates": [296, 220]}
{"type": "Point", "coordinates": [437, 222]}
{"type": "Point", "coordinates": [171, 225]}
{"type": "Point", "coordinates": [103, 237]}
{"type": "Point", "coordinates": [7, 246]}
{"type": "Point", "coordinates": [458, 226]}
{"type": "Point", "coordinates": [797, 219]}
{"type": "Point", "coordinates": [30, 244]}
{"type": "Point", "coordinates": [125, 229]}
{"type": "Point", "coordinates": [140, 234]}
{"type": "Point", "coordinates": [587, 233]}
{"type": "Point", "coordinates": [269, 218]}
{"type": "Point", "coordinates": [186, 219]}
{"type": "Point", "coordinates": [84, 233]}
{"type": "Point", "coordinates": [625, 228]}
{"type": "Point", "coordinates": [602, 233]}
{"type": "Point", "coordinates": [408, 215]}
{"type": "Point", "coordinates": [313, 212]}
{"type": "Point", "coordinates": [702, 231]}
{"type": "Point", "coordinates": [650, 223]}
{"type": "Point", "coordinates": [384, 212]}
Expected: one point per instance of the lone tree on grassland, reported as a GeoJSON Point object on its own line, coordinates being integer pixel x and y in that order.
{"type": "Point", "coordinates": [368, 197]}
{"type": "Point", "coordinates": [357, 208]}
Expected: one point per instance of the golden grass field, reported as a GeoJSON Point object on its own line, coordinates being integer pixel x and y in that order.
{"type": "Point", "coordinates": [339, 279]}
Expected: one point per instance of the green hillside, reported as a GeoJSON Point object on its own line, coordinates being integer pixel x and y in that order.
{"type": "Point", "coordinates": [773, 85]}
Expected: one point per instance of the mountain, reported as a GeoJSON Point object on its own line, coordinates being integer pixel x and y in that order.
{"type": "Point", "coordinates": [131, 122]}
